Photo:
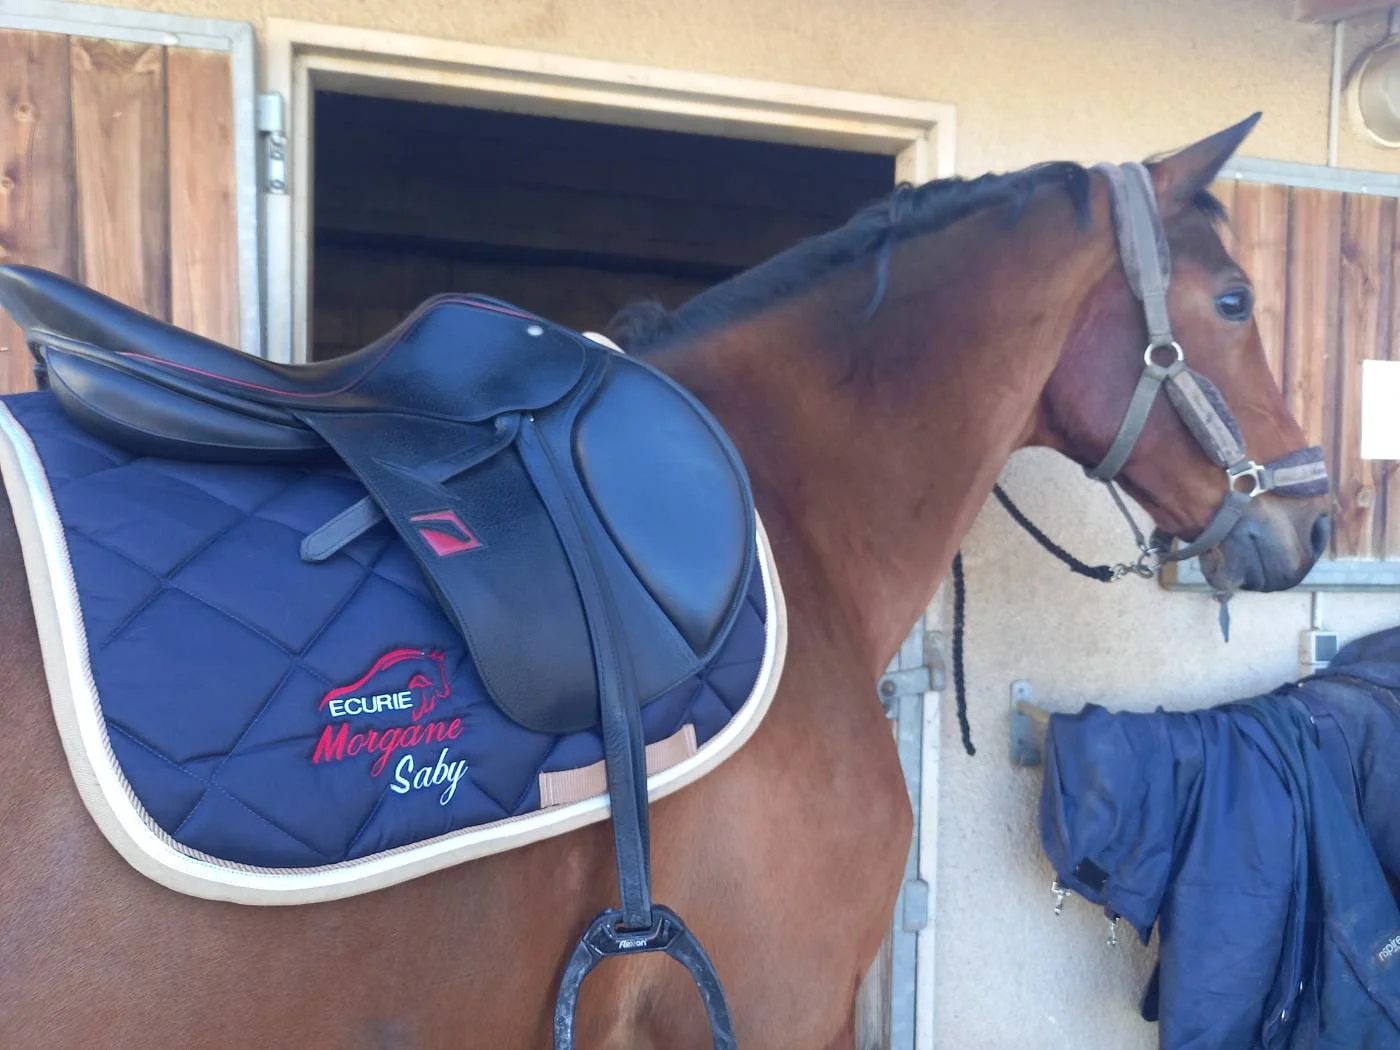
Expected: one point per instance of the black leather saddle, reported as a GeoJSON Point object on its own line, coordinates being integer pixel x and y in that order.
{"type": "Point", "coordinates": [583, 520]}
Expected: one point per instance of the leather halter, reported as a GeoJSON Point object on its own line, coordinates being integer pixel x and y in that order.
{"type": "Point", "coordinates": [1142, 245]}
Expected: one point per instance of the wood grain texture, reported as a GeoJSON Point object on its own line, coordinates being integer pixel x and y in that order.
{"type": "Point", "coordinates": [1389, 470]}
{"type": "Point", "coordinates": [204, 294]}
{"type": "Point", "coordinates": [1225, 190]}
{"type": "Point", "coordinates": [1260, 223]}
{"type": "Point", "coordinates": [36, 175]}
{"type": "Point", "coordinates": [1314, 264]}
{"type": "Point", "coordinates": [121, 166]}
{"type": "Point", "coordinates": [1368, 233]}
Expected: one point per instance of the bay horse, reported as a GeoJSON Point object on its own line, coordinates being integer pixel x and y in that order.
{"type": "Point", "coordinates": [875, 380]}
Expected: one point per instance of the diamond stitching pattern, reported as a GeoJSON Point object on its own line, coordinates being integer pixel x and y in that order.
{"type": "Point", "coordinates": [298, 813]}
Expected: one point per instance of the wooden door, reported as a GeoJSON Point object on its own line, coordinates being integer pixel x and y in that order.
{"type": "Point", "coordinates": [117, 168]}
{"type": "Point", "coordinates": [1323, 267]}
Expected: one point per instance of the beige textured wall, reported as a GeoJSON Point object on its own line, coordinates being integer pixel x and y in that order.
{"type": "Point", "coordinates": [1032, 79]}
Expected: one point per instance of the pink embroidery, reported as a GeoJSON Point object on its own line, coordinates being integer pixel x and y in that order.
{"type": "Point", "coordinates": [385, 662]}
{"type": "Point", "coordinates": [455, 538]}
{"type": "Point", "coordinates": [337, 742]}
{"type": "Point", "coordinates": [341, 739]}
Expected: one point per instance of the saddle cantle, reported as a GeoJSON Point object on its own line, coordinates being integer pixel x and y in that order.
{"type": "Point", "coordinates": [583, 522]}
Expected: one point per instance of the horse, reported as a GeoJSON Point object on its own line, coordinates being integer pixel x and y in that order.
{"type": "Point", "coordinates": [875, 380]}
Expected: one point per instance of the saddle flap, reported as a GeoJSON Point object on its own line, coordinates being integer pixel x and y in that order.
{"type": "Point", "coordinates": [626, 486]}
{"type": "Point", "coordinates": [493, 559]}
{"type": "Point", "coordinates": [672, 495]}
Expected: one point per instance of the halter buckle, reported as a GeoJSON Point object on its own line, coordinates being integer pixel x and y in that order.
{"type": "Point", "coordinates": [1247, 469]}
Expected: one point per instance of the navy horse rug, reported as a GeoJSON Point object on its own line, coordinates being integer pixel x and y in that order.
{"type": "Point", "coordinates": [310, 631]}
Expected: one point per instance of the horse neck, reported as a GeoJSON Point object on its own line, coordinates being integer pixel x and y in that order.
{"type": "Point", "coordinates": [872, 445]}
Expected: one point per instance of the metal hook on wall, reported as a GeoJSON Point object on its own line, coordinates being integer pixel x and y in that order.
{"type": "Point", "coordinates": [1028, 725]}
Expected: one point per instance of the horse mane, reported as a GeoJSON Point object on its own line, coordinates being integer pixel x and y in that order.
{"type": "Point", "coordinates": [906, 212]}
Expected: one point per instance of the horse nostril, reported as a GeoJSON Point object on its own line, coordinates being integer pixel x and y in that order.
{"type": "Point", "coordinates": [1321, 533]}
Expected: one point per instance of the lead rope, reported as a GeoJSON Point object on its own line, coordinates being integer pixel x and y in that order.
{"type": "Point", "coordinates": [1101, 573]}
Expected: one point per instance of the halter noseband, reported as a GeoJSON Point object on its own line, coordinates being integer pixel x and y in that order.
{"type": "Point", "coordinates": [1142, 245]}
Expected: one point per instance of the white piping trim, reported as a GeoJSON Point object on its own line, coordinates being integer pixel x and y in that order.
{"type": "Point", "coordinates": [124, 822]}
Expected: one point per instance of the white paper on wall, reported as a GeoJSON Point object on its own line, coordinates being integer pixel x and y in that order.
{"type": "Point", "coordinates": [1380, 409]}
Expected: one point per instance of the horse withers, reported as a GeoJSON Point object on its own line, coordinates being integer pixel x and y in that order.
{"type": "Point", "coordinates": [874, 381]}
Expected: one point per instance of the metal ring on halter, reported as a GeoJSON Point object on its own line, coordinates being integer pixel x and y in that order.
{"type": "Point", "coordinates": [1251, 470]}
{"type": "Point", "coordinates": [1152, 348]}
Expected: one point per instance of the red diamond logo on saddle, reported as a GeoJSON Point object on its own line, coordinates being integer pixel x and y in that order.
{"type": "Point", "coordinates": [445, 533]}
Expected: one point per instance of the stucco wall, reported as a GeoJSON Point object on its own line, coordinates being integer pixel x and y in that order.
{"type": "Point", "coordinates": [1031, 79]}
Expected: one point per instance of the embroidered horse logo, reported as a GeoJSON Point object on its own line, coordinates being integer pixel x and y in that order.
{"type": "Point", "coordinates": [429, 689]}
{"type": "Point", "coordinates": [427, 685]}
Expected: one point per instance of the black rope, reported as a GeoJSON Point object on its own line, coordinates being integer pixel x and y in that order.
{"type": "Point", "coordinates": [959, 679]}
{"type": "Point", "coordinates": [1102, 573]}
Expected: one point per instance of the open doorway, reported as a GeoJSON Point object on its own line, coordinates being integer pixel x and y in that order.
{"type": "Point", "coordinates": [570, 219]}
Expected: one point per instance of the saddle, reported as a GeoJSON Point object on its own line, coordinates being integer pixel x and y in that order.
{"type": "Point", "coordinates": [584, 523]}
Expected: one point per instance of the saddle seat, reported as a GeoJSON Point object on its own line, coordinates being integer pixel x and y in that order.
{"type": "Point", "coordinates": [457, 358]}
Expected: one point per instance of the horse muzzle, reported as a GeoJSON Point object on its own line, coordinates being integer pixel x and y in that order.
{"type": "Point", "coordinates": [1275, 543]}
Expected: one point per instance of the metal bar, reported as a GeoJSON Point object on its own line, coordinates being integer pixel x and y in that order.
{"type": "Point", "coordinates": [1028, 726]}
{"type": "Point", "coordinates": [1348, 575]}
{"type": "Point", "coordinates": [115, 23]}
{"type": "Point", "coordinates": [911, 912]}
{"type": "Point", "coordinates": [1312, 176]}
{"type": "Point", "coordinates": [243, 63]}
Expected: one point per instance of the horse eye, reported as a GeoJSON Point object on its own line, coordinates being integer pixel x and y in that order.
{"type": "Point", "coordinates": [1235, 305]}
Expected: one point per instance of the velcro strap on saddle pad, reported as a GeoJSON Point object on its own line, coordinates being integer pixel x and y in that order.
{"type": "Point", "coordinates": [246, 726]}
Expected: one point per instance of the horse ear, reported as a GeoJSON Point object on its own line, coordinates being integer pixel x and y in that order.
{"type": "Point", "coordinates": [1180, 176]}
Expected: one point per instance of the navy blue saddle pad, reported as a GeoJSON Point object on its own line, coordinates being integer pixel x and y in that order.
{"type": "Point", "coordinates": [248, 725]}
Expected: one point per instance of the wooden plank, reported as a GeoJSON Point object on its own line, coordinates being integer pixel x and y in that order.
{"type": "Point", "coordinates": [1368, 233]}
{"type": "Point", "coordinates": [1314, 263]}
{"type": "Point", "coordinates": [121, 168]}
{"type": "Point", "coordinates": [203, 205]}
{"type": "Point", "coordinates": [1389, 469]}
{"type": "Point", "coordinates": [1260, 222]}
{"type": "Point", "coordinates": [1336, 10]}
{"type": "Point", "coordinates": [1224, 190]}
{"type": "Point", "coordinates": [36, 175]}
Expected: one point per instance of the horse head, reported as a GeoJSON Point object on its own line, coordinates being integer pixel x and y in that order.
{"type": "Point", "coordinates": [1219, 462]}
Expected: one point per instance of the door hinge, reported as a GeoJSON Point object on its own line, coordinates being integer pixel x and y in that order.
{"type": "Point", "coordinates": [915, 681]}
{"type": "Point", "coordinates": [272, 129]}
{"type": "Point", "coordinates": [916, 894]}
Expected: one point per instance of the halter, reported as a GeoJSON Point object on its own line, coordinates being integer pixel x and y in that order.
{"type": "Point", "coordinates": [1142, 245]}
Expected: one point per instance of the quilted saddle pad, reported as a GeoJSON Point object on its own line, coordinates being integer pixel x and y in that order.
{"type": "Point", "coordinates": [246, 726]}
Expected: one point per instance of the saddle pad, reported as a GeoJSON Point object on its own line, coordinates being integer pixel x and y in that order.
{"type": "Point", "coordinates": [247, 726]}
